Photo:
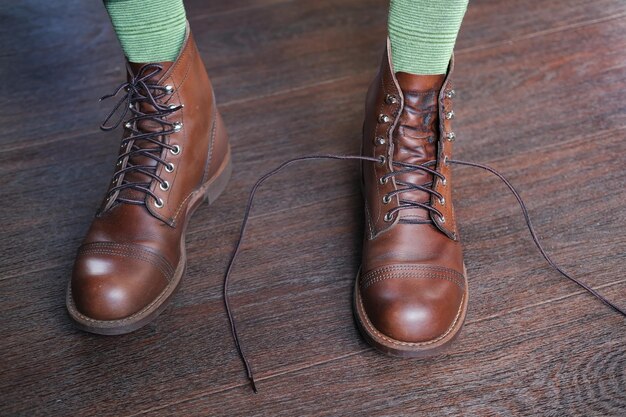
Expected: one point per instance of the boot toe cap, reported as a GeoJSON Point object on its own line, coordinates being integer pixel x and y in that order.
{"type": "Point", "coordinates": [115, 283]}
{"type": "Point", "coordinates": [413, 304]}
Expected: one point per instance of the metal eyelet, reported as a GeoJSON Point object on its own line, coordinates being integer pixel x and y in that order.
{"type": "Point", "coordinates": [442, 201]}
{"type": "Point", "coordinates": [177, 126]}
{"type": "Point", "coordinates": [444, 182]}
{"type": "Point", "coordinates": [386, 199]}
{"type": "Point", "coordinates": [450, 115]}
{"type": "Point", "coordinates": [442, 219]}
{"type": "Point", "coordinates": [164, 185]}
{"type": "Point", "coordinates": [382, 180]}
{"type": "Point", "coordinates": [379, 141]}
{"type": "Point", "coordinates": [175, 150]}
{"type": "Point", "coordinates": [158, 203]}
{"type": "Point", "coordinates": [391, 99]}
{"type": "Point", "coordinates": [388, 217]}
{"type": "Point", "coordinates": [445, 160]}
{"type": "Point", "coordinates": [169, 89]}
{"type": "Point", "coordinates": [450, 93]}
{"type": "Point", "coordinates": [128, 125]}
{"type": "Point", "coordinates": [382, 160]}
{"type": "Point", "coordinates": [169, 167]}
{"type": "Point", "coordinates": [450, 136]}
{"type": "Point", "coordinates": [383, 118]}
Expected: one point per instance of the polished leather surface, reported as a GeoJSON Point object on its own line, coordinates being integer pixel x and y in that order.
{"type": "Point", "coordinates": [131, 252]}
{"type": "Point", "coordinates": [412, 280]}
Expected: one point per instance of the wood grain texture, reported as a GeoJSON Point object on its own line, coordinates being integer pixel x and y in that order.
{"type": "Point", "coordinates": [516, 365]}
{"type": "Point", "coordinates": [541, 98]}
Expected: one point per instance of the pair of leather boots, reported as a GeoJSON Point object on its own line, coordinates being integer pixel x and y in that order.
{"type": "Point", "coordinates": [410, 295]}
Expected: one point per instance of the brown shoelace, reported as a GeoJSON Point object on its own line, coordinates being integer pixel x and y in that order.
{"type": "Point", "coordinates": [231, 318]}
{"type": "Point", "coordinates": [141, 90]}
{"type": "Point", "coordinates": [405, 168]}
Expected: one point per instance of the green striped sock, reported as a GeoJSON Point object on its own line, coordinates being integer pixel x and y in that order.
{"type": "Point", "coordinates": [149, 30]}
{"type": "Point", "coordinates": [423, 33]}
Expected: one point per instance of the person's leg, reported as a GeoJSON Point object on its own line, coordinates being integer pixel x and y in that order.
{"type": "Point", "coordinates": [411, 293]}
{"type": "Point", "coordinates": [173, 155]}
{"type": "Point", "coordinates": [149, 30]}
{"type": "Point", "coordinates": [423, 34]}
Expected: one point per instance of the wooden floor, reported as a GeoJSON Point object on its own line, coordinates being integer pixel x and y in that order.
{"type": "Point", "coordinates": [542, 97]}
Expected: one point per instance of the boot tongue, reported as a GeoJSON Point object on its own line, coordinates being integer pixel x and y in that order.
{"type": "Point", "coordinates": [144, 126]}
{"type": "Point", "coordinates": [135, 68]}
{"type": "Point", "coordinates": [416, 135]}
{"type": "Point", "coordinates": [412, 82]}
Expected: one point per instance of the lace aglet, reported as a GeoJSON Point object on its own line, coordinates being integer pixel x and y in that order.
{"type": "Point", "coordinates": [253, 385]}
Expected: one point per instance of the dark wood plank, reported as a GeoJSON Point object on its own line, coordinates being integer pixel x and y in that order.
{"type": "Point", "coordinates": [544, 360]}
{"type": "Point", "coordinates": [75, 171]}
{"type": "Point", "coordinates": [297, 311]}
{"type": "Point", "coordinates": [198, 9]}
{"type": "Point", "coordinates": [489, 22]}
{"type": "Point", "coordinates": [250, 51]}
{"type": "Point", "coordinates": [490, 124]}
{"type": "Point", "coordinates": [553, 121]}
{"type": "Point", "coordinates": [542, 90]}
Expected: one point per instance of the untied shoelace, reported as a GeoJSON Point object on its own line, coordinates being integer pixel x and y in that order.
{"type": "Point", "coordinates": [260, 181]}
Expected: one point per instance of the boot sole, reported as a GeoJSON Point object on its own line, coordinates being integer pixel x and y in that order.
{"type": "Point", "coordinates": [209, 191]}
{"type": "Point", "coordinates": [397, 348]}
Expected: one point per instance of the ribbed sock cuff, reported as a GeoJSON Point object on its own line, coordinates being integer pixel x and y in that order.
{"type": "Point", "coordinates": [149, 30]}
{"type": "Point", "coordinates": [423, 34]}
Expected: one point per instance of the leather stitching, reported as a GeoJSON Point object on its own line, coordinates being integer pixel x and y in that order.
{"type": "Point", "coordinates": [181, 60]}
{"type": "Point", "coordinates": [212, 136]}
{"type": "Point", "coordinates": [184, 132]}
{"type": "Point", "coordinates": [187, 70]}
{"type": "Point", "coordinates": [419, 266]}
{"type": "Point", "coordinates": [178, 61]}
{"type": "Point", "coordinates": [119, 321]}
{"type": "Point", "coordinates": [377, 202]}
{"type": "Point", "coordinates": [412, 271]}
{"type": "Point", "coordinates": [125, 247]}
{"type": "Point", "coordinates": [134, 255]}
{"type": "Point", "coordinates": [449, 228]}
{"type": "Point", "coordinates": [422, 275]}
{"type": "Point", "coordinates": [182, 204]}
{"type": "Point", "coordinates": [372, 329]}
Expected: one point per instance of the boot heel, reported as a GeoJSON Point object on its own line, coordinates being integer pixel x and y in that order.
{"type": "Point", "coordinates": [218, 185]}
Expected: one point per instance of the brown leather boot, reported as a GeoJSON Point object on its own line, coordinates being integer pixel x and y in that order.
{"type": "Point", "coordinates": [411, 292]}
{"type": "Point", "coordinates": [174, 153]}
